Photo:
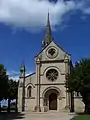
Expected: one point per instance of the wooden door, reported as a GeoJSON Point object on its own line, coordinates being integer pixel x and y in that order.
{"type": "Point", "coordinates": [53, 101]}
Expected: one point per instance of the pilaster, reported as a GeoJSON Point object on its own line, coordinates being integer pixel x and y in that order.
{"type": "Point", "coordinates": [38, 109]}
{"type": "Point", "coordinates": [66, 73]}
{"type": "Point", "coordinates": [21, 94]}
{"type": "Point", "coordinates": [21, 90]}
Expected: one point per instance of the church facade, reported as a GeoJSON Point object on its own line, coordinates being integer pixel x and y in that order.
{"type": "Point", "coordinates": [45, 89]}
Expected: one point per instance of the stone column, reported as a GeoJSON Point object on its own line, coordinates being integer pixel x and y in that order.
{"type": "Point", "coordinates": [21, 90]}
{"type": "Point", "coordinates": [66, 73]}
{"type": "Point", "coordinates": [20, 95]}
{"type": "Point", "coordinates": [48, 103]}
{"type": "Point", "coordinates": [58, 104]}
{"type": "Point", "coordinates": [23, 93]}
{"type": "Point", "coordinates": [38, 86]}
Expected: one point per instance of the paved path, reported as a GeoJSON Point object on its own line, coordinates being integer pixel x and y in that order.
{"type": "Point", "coordinates": [47, 116]}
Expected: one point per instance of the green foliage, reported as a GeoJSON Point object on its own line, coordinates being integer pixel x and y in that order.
{"type": "Point", "coordinates": [12, 92]}
{"type": "Point", "coordinates": [8, 88]}
{"type": "Point", "coordinates": [12, 89]}
{"type": "Point", "coordinates": [79, 80]}
{"type": "Point", "coordinates": [81, 117]}
{"type": "Point", "coordinates": [3, 82]}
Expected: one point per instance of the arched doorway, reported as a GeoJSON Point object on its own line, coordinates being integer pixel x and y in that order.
{"type": "Point", "coordinates": [51, 98]}
{"type": "Point", "coordinates": [53, 101]}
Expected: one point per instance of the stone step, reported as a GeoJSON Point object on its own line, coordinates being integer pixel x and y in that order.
{"type": "Point", "coordinates": [48, 112]}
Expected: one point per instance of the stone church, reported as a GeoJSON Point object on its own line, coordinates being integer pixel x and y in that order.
{"type": "Point", "coordinates": [45, 89]}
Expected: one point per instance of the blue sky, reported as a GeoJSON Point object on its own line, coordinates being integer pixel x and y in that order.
{"type": "Point", "coordinates": [22, 30]}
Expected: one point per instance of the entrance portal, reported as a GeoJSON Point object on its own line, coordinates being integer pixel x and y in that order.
{"type": "Point", "coordinates": [53, 101]}
{"type": "Point", "coordinates": [51, 96]}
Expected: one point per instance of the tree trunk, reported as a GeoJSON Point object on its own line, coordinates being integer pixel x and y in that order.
{"type": "Point", "coordinates": [72, 102]}
{"type": "Point", "coordinates": [8, 110]}
{"type": "Point", "coordinates": [86, 100]}
{"type": "Point", "coordinates": [0, 106]}
{"type": "Point", "coordinates": [16, 106]}
{"type": "Point", "coordinates": [87, 108]}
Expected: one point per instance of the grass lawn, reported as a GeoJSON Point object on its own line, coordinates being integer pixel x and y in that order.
{"type": "Point", "coordinates": [81, 117]}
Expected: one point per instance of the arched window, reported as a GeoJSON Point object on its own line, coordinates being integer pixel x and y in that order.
{"type": "Point", "coordinates": [29, 91]}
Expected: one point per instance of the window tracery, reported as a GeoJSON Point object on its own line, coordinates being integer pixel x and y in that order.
{"type": "Point", "coordinates": [52, 74]}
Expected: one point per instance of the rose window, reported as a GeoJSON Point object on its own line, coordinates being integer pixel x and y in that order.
{"type": "Point", "coordinates": [52, 74]}
{"type": "Point", "coordinates": [51, 52]}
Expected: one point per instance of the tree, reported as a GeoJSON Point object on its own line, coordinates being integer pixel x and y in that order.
{"type": "Point", "coordinates": [79, 81]}
{"type": "Point", "coordinates": [12, 92]}
{"type": "Point", "coordinates": [3, 83]}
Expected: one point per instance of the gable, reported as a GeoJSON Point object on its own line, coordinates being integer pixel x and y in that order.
{"type": "Point", "coordinates": [30, 79]}
{"type": "Point", "coordinates": [60, 53]}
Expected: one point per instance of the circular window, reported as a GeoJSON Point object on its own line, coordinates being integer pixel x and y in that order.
{"type": "Point", "coordinates": [52, 74]}
{"type": "Point", "coordinates": [52, 52]}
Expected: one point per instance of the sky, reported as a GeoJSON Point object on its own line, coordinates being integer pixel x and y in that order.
{"type": "Point", "coordinates": [22, 29]}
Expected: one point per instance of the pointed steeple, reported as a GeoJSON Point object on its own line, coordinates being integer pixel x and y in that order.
{"type": "Point", "coordinates": [48, 37]}
{"type": "Point", "coordinates": [48, 28]}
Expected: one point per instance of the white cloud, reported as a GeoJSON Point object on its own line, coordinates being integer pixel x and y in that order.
{"type": "Point", "coordinates": [84, 6]}
{"type": "Point", "coordinates": [32, 14]}
{"type": "Point", "coordinates": [15, 74]}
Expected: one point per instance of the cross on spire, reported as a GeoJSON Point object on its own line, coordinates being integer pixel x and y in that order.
{"type": "Point", "coordinates": [48, 37]}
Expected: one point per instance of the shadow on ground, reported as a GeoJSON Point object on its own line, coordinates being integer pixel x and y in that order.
{"type": "Point", "coordinates": [82, 113]}
{"type": "Point", "coordinates": [11, 116]}
{"type": "Point", "coordinates": [81, 116]}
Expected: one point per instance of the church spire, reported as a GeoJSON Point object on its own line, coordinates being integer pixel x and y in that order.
{"type": "Point", "coordinates": [48, 37]}
{"type": "Point", "coordinates": [48, 28]}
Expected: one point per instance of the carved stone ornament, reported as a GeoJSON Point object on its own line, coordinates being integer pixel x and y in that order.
{"type": "Point", "coordinates": [52, 52]}
{"type": "Point", "coordinates": [52, 74]}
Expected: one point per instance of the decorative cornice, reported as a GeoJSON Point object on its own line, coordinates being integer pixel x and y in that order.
{"type": "Point", "coordinates": [51, 84]}
{"type": "Point", "coordinates": [53, 61]}
{"type": "Point", "coordinates": [29, 97]}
